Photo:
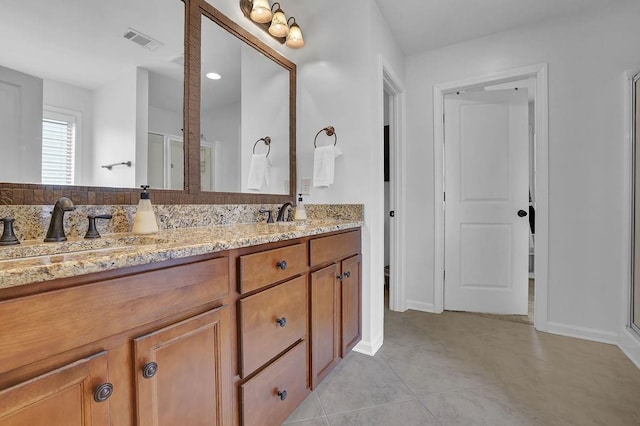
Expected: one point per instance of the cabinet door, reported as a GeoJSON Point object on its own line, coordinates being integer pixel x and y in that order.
{"type": "Point", "coordinates": [351, 330]}
{"type": "Point", "coordinates": [76, 394]}
{"type": "Point", "coordinates": [183, 372]}
{"type": "Point", "coordinates": [325, 322]}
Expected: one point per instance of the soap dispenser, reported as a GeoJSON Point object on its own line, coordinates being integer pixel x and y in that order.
{"type": "Point", "coordinates": [301, 213]}
{"type": "Point", "coordinates": [145, 219]}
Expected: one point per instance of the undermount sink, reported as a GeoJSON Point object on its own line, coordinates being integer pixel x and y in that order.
{"type": "Point", "coordinates": [34, 248]}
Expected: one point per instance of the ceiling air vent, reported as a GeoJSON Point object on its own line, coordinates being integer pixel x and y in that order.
{"type": "Point", "coordinates": [142, 39]}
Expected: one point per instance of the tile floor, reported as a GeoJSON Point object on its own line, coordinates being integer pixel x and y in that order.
{"type": "Point", "coordinates": [459, 369]}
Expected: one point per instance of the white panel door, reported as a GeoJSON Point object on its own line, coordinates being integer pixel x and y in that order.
{"type": "Point", "coordinates": [486, 184]}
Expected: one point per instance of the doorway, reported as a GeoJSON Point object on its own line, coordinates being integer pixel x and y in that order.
{"type": "Point", "coordinates": [538, 186]}
{"type": "Point", "coordinates": [391, 181]}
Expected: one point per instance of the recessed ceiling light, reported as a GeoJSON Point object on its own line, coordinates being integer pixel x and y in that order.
{"type": "Point", "coordinates": [213, 76]}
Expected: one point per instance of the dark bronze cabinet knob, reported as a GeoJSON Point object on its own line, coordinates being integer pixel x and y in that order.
{"type": "Point", "coordinates": [103, 392]}
{"type": "Point", "coordinates": [282, 321]}
{"type": "Point", "coordinates": [282, 264]}
{"type": "Point", "coordinates": [340, 277]}
{"type": "Point", "coordinates": [347, 274]}
{"type": "Point", "coordinates": [149, 370]}
{"type": "Point", "coordinates": [282, 395]}
{"type": "Point", "coordinates": [522, 213]}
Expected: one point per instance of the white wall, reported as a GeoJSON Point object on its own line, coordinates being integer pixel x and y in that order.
{"type": "Point", "coordinates": [264, 112]}
{"type": "Point", "coordinates": [21, 124]}
{"type": "Point", "coordinates": [222, 127]}
{"type": "Point", "coordinates": [77, 99]}
{"type": "Point", "coordinates": [587, 55]}
{"type": "Point", "coordinates": [115, 130]}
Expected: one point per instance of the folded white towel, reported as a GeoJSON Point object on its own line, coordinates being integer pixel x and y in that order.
{"type": "Point", "coordinates": [258, 172]}
{"type": "Point", "coordinates": [324, 161]}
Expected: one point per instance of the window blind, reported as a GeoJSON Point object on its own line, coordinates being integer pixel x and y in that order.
{"type": "Point", "coordinates": [58, 140]}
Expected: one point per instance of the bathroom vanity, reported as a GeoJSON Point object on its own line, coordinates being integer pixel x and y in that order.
{"type": "Point", "coordinates": [222, 325]}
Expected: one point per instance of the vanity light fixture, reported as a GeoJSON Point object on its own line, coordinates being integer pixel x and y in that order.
{"type": "Point", "coordinates": [260, 11]}
{"type": "Point", "coordinates": [213, 76]}
{"type": "Point", "coordinates": [277, 24]}
{"type": "Point", "coordinates": [294, 38]}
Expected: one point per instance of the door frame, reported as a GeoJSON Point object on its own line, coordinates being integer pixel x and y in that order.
{"type": "Point", "coordinates": [629, 339]}
{"type": "Point", "coordinates": [541, 249]}
{"type": "Point", "coordinates": [397, 176]}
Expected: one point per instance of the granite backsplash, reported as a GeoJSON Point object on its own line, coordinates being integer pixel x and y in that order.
{"type": "Point", "coordinates": [31, 222]}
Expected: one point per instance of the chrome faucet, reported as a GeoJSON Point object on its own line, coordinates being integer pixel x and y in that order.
{"type": "Point", "coordinates": [282, 211]}
{"type": "Point", "coordinates": [56, 226]}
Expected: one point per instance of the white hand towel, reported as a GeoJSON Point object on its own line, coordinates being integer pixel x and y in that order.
{"type": "Point", "coordinates": [324, 161]}
{"type": "Point", "coordinates": [258, 172]}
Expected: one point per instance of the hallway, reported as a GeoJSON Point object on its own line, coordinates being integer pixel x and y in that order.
{"type": "Point", "coordinates": [459, 369]}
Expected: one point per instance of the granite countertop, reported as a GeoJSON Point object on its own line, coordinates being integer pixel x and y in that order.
{"type": "Point", "coordinates": [35, 261]}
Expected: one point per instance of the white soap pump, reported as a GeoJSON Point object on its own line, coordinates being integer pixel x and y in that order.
{"type": "Point", "coordinates": [301, 213]}
{"type": "Point", "coordinates": [145, 219]}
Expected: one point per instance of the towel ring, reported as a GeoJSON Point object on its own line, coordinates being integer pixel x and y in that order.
{"type": "Point", "coordinates": [267, 142]}
{"type": "Point", "coordinates": [330, 131]}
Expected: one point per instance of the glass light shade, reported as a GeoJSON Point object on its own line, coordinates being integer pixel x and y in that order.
{"type": "Point", "coordinates": [279, 27]}
{"type": "Point", "coordinates": [294, 39]}
{"type": "Point", "coordinates": [261, 11]}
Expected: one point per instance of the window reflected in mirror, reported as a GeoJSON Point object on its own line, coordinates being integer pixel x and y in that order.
{"type": "Point", "coordinates": [92, 83]}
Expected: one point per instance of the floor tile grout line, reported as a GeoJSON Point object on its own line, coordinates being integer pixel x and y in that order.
{"type": "Point", "coordinates": [411, 390]}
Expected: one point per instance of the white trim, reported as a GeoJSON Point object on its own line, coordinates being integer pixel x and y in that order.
{"type": "Point", "coordinates": [540, 73]}
{"type": "Point", "coordinates": [393, 85]}
{"type": "Point", "coordinates": [370, 348]}
{"type": "Point", "coordinates": [629, 343]}
{"type": "Point", "coordinates": [627, 210]}
{"type": "Point", "coordinates": [420, 306]}
{"type": "Point", "coordinates": [593, 334]}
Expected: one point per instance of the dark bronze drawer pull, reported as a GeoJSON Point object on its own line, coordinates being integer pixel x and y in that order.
{"type": "Point", "coordinates": [149, 370]}
{"type": "Point", "coordinates": [282, 395]}
{"type": "Point", "coordinates": [282, 321]}
{"type": "Point", "coordinates": [103, 392]}
{"type": "Point", "coordinates": [282, 264]}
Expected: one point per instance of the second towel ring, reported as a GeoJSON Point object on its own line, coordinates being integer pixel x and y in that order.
{"type": "Point", "coordinates": [330, 131]}
{"type": "Point", "coordinates": [267, 142]}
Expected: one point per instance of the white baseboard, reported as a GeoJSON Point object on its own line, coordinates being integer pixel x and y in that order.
{"type": "Point", "coordinates": [369, 348]}
{"type": "Point", "coordinates": [420, 306]}
{"type": "Point", "coordinates": [630, 344]}
{"type": "Point", "coordinates": [582, 333]}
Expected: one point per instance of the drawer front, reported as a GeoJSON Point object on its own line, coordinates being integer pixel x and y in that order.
{"type": "Point", "coordinates": [264, 401]}
{"type": "Point", "coordinates": [260, 269]}
{"type": "Point", "coordinates": [271, 321]}
{"type": "Point", "coordinates": [38, 326]}
{"type": "Point", "coordinates": [334, 247]}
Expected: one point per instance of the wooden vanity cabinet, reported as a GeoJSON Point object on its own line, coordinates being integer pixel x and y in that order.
{"type": "Point", "coordinates": [335, 305]}
{"type": "Point", "coordinates": [75, 394]}
{"type": "Point", "coordinates": [182, 370]}
{"type": "Point", "coordinates": [79, 354]}
{"type": "Point", "coordinates": [273, 330]}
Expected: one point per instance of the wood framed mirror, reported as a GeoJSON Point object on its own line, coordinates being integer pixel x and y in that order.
{"type": "Point", "coordinates": [152, 97]}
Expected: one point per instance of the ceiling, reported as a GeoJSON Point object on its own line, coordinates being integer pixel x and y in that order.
{"type": "Point", "coordinates": [422, 25]}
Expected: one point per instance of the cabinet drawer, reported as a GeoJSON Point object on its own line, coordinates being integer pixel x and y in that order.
{"type": "Point", "coordinates": [334, 247]}
{"type": "Point", "coordinates": [271, 321]}
{"type": "Point", "coordinates": [39, 326]}
{"type": "Point", "coordinates": [264, 401]}
{"type": "Point", "coordinates": [260, 269]}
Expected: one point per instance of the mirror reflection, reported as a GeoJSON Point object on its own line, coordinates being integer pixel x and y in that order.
{"type": "Point", "coordinates": [91, 92]}
{"type": "Point", "coordinates": [244, 98]}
